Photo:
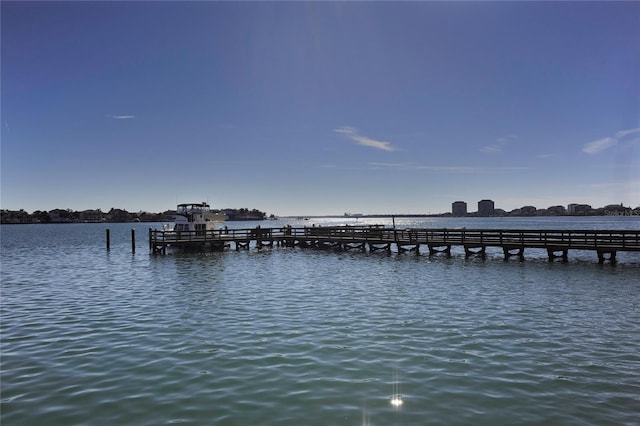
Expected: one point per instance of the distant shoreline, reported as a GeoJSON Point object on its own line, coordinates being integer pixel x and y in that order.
{"type": "Point", "coordinates": [632, 213]}
{"type": "Point", "coordinates": [123, 216]}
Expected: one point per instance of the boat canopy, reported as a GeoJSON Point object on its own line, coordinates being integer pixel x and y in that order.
{"type": "Point", "coordinates": [193, 208]}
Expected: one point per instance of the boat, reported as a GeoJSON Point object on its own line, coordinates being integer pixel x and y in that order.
{"type": "Point", "coordinates": [197, 217]}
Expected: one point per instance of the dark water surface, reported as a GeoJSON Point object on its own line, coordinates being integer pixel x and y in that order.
{"type": "Point", "coordinates": [308, 337]}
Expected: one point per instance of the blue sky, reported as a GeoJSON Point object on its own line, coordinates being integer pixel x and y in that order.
{"type": "Point", "coordinates": [319, 108]}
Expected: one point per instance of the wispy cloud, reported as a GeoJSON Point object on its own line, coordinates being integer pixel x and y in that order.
{"type": "Point", "coordinates": [492, 149]}
{"type": "Point", "coordinates": [474, 170]}
{"type": "Point", "coordinates": [123, 117]}
{"type": "Point", "coordinates": [599, 145]}
{"type": "Point", "coordinates": [499, 145]}
{"type": "Point", "coordinates": [602, 144]}
{"type": "Point", "coordinates": [352, 133]}
{"type": "Point", "coordinates": [622, 133]}
{"type": "Point", "coordinates": [450, 169]}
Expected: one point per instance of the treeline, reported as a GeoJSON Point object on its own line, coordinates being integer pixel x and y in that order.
{"type": "Point", "coordinates": [89, 216]}
{"type": "Point", "coordinates": [245, 214]}
{"type": "Point", "coordinates": [112, 216]}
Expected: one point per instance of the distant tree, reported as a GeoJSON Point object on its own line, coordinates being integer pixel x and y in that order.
{"type": "Point", "coordinates": [41, 216]}
{"type": "Point", "coordinates": [118, 215]}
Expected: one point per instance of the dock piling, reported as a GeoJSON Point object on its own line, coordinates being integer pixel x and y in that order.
{"type": "Point", "coordinates": [481, 250]}
{"type": "Point", "coordinates": [551, 253]}
{"type": "Point", "coordinates": [602, 257]}
{"type": "Point", "coordinates": [508, 252]}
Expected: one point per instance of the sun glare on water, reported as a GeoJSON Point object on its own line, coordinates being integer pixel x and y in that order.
{"type": "Point", "coordinates": [396, 400]}
{"type": "Point", "coordinates": [396, 397]}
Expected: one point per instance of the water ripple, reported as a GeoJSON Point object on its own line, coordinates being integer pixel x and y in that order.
{"type": "Point", "coordinates": [291, 337]}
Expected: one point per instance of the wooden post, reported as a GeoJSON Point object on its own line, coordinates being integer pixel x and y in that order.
{"type": "Point", "coordinates": [133, 240]}
{"type": "Point", "coordinates": [108, 240]}
{"type": "Point", "coordinates": [395, 234]}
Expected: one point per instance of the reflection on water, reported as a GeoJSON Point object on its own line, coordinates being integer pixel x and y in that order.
{"type": "Point", "coordinates": [396, 396]}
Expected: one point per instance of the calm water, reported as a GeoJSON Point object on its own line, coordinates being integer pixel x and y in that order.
{"type": "Point", "coordinates": [306, 337]}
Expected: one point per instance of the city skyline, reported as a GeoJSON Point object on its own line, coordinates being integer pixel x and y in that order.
{"type": "Point", "coordinates": [319, 108]}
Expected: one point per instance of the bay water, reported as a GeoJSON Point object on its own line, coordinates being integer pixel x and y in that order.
{"type": "Point", "coordinates": [291, 336]}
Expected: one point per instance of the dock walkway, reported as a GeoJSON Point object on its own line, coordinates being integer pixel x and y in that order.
{"type": "Point", "coordinates": [606, 243]}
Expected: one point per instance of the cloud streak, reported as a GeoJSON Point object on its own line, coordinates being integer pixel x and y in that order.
{"type": "Point", "coordinates": [450, 169]}
{"type": "Point", "coordinates": [599, 145]}
{"type": "Point", "coordinates": [492, 149]}
{"type": "Point", "coordinates": [123, 117]}
{"type": "Point", "coordinates": [498, 147]}
{"type": "Point", "coordinates": [352, 133]}
{"type": "Point", "coordinates": [602, 144]}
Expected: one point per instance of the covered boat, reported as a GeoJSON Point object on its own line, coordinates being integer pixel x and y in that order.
{"type": "Point", "coordinates": [197, 217]}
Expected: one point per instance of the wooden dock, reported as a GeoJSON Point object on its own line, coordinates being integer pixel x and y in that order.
{"type": "Point", "coordinates": [513, 242]}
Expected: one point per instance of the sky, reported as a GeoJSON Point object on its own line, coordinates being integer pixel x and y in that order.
{"type": "Point", "coordinates": [319, 108]}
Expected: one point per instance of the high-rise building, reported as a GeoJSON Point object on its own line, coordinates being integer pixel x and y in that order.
{"type": "Point", "coordinates": [459, 209]}
{"type": "Point", "coordinates": [486, 208]}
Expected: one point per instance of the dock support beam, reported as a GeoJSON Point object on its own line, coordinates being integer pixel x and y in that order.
{"type": "Point", "coordinates": [383, 246]}
{"type": "Point", "coordinates": [218, 246]}
{"type": "Point", "coordinates": [438, 249]}
{"type": "Point", "coordinates": [264, 243]}
{"type": "Point", "coordinates": [481, 252]}
{"type": "Point", "coordinates": [288, 242]}
{"type": "Point", "coordinates": [508, 252]}
{"type": "Point", "coordinates": [242, 245]}
{"type": "Point", "coordinates": [304, 243]}
{"type": "Point", "coordinates": [357, 246]}
{"type": "Point", "coordinates": [410, 247]}
{"type": "Point", "coordinates": [602, 258]}
{"type": "Point", "coordinates": [328, 245]}
{"type": "Point", "coordinates": [551, 253]}
{"type": "Point", "coordinates": [159, 248]}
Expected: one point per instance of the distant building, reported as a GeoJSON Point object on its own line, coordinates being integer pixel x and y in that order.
{"type": "Point", "coordinates": [557, 210]}
{"type": "Point", "coordinates": [92, 216]}
{"type": "Point", "coordinates": [62, 216]}
{"type": "Point", "coordinates": [486, 208]}
{"type": "Point", "coordinates": [579, 209]}
{"type": "Point", "coordinates": [459, 209]}
{"type": "Point", "coordinates": [617, 210]}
